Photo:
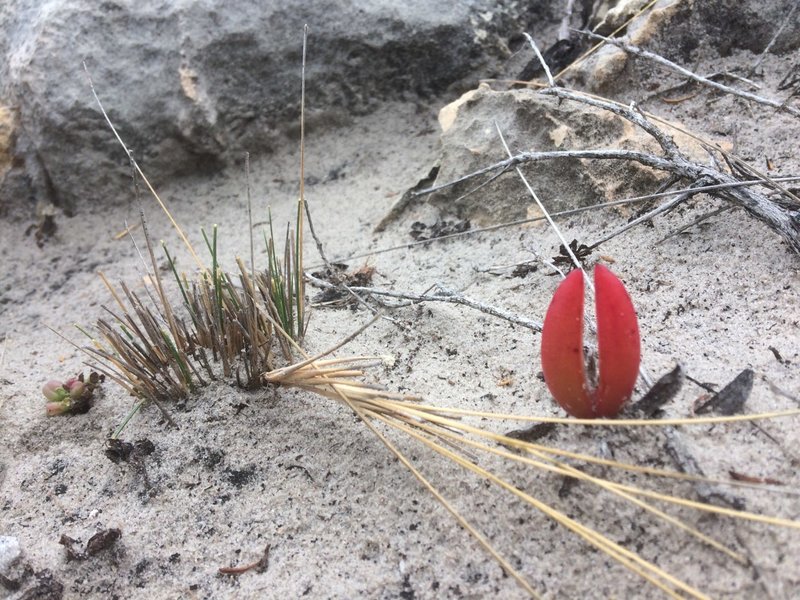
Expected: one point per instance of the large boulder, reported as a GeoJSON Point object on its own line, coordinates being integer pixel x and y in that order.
{"type": "Point", "coordinates": [189, 84]}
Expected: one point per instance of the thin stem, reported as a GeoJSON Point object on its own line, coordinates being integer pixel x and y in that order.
{"type": "Point", "coordinates": [141, 173]}
{"type": "Point", "coordinates": [121, 427]}
{"type": "Point", "coordinates": [660, 60]}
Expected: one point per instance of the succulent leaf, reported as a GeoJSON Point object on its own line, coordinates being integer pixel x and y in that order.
{"type": "Point", "coordinates": [563, 361]}
{"type": "Point", "coordinates": [562, 347]}
{"type": "Point", "coordinates": [618, 343]}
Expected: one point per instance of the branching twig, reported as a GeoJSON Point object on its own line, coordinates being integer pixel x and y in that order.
{"type": "Point", "coordinates": [441, 294]}
{"type": "Point", "coordinates": [660, 60]}
{"type": "Point", "coordinates": [666, 207]}
{"type": "Point", "coordinates": [634, 116]}
{"type": "Point", "coordinates": [784, 219]}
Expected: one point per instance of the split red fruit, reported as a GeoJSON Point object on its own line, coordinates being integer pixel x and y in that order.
{"type": "Point", "coordinates": [618, 346]}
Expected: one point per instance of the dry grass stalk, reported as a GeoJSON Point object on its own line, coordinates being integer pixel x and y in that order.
{"type": "Point", "coordinates": [457, 441]}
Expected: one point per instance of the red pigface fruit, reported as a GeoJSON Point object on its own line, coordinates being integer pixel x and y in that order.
{"type": "Point", "coordinates": [619, 348]}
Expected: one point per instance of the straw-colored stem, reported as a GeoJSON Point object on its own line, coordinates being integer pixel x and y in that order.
{"type": "Point", "coordinates": [591, 536]}
{"type": "Point", "coordinates": [667, 498]}
{"type": "Point", "coordinates": [568, 471]}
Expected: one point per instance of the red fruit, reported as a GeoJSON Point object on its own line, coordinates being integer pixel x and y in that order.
{"type": "Point", "coordinates": [618, 344]}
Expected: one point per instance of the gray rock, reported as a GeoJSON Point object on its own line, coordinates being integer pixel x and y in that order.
{"type": "Point", "coordinates": [191, 85]}
{"type": "Point", "coordinates": [531, 122]}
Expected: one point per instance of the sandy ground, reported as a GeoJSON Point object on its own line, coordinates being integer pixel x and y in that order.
{"type": "Point", "coordinates": [343, 518]}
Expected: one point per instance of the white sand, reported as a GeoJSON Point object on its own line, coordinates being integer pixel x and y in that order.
{"type": "Point", "coordinates": [343, 517]}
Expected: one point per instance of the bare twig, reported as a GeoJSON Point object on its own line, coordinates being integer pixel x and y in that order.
{"type": "Point", "coordinates": [441, 294]}
{"type": "Point", "coordinates": [666, 207]}
{"type": "Point", "coordinates": [541, 58]}
{"type": "Point", "coordinates": [696, 221]}
{"type": "Point", "coordinates": [660, 60]}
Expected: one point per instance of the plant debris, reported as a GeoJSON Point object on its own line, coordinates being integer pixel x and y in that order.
{"type": "Point", "coordinates": [422, 232]}
{"type": "Point", "coordinates": [100, 541]}
{"type": "Point", "coordinates": [736, 476]}
{"type": "Point", "coordinates": [567, 484]}
{"type": "Point", "coordinates": [581, 252]}
{"type": "Point", "coordinates": [47, 588]}
{"type": "Point", "coordinates": [339, 276]}
{"type": "Point", "coordinates": [663, 390]}
{"type": "Point", "coordinates": [12, 585]}
{"type": "Point", "coordinates": [730, 399]}
{"type": "Point", "coordinates": [119, 451]}
{"type": "Point", "coordinates": [332, 273]}
{"type": "Point", "coordinates": [532, 433]}
{"type": "Point", "coordinates": [778, 356]}
{"type": "Point", "coordinates": [45, 226]}
{"type": "Point", "coordinates": [259, 566]}
{"type": "Point", "coordinates": [524, 269]}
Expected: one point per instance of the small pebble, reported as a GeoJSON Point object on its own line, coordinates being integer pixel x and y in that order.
{"type": "Point", "coordinates": [9, 551]}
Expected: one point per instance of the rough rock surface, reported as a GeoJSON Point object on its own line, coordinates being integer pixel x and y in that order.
{"type": "Point", "coordinates": [683, 29]}
{"type": "Point", "coordinates": [532, 122]}
{"type": "Point", "coordinates": [192, 84]}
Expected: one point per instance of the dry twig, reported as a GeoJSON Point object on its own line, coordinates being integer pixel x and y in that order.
{"type": "Point", "coordinates": [782, 217]}
{"type": "Point", "coordinates": [660, 60]}
{"type": "Point", "coordinates": [441, 294]}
